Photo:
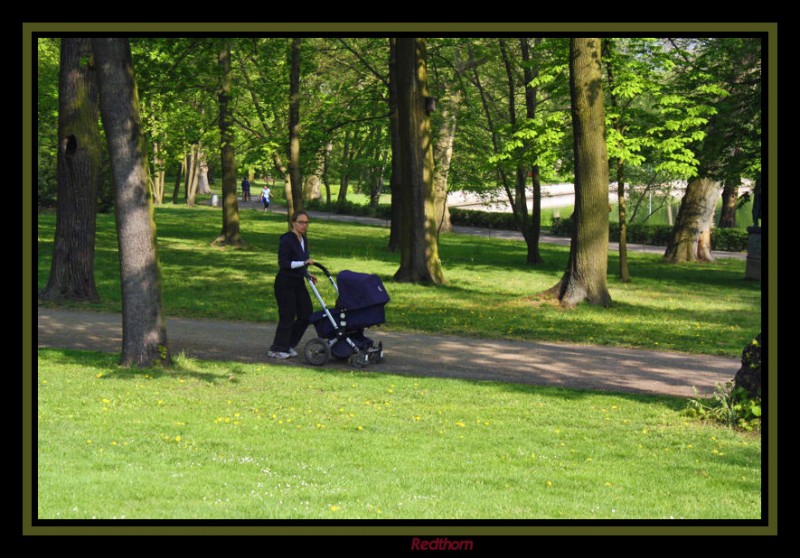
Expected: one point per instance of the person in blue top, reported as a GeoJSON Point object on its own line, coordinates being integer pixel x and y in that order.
{"type": "Point", "coordinates": [291, 294]}
{"type": "Point", "coordinates": [245, 189]}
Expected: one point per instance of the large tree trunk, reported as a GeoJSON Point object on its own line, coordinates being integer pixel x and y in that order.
{"type": "Point", "coordinates": [691, 237]}
{"type": "Point", "coordinates": [419, 251]}
{"type": "Point", "coordinates": [144, 333]}
{"type": "Point", "coordinates": [294, 128]}
{"type": "Point", "coordinates": [230, 206]}
{"type": "Point", "coordinates": [585, 277]}
{"type": "Point", "coordinates": [72, 265]}
{"type": "Point", "coordinates": [730, 192]}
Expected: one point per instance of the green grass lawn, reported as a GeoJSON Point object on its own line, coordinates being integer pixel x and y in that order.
{"type": "Point", "coordinates": [228, 440]}
{"type": "Point", "coordinates": [490, 291]}
{"type": "Point", "coordinates": [233, 441]}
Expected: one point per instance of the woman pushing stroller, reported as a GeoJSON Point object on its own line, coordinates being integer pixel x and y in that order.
{"type": "Point", "coordinates": [291, 294]}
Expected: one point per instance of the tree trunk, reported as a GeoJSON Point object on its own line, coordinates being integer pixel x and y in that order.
{"type": "Point", "coordinates": [376, 183]}
{"type": "Point", "coordinates": [192, 174]}
{"type": "Point", "coordinates": [394, 181]}
{"type": "Point", "coordinates": [159, 174]}
{"type": "Point", "coordinates": [585, 277]}
{"type": "Point", "coordinates": [419, 252]}
{"type": "Point", "coordinates": [230, 234]}
{"type": "Point", "coordinates": [691, 237]}
{"type": "Point", "coordinates": [72, 265]}
{"type": "Point", "coordinates": [177, 188]}
{"type": "Point", "coordinates": [325, 168]}
{"type": "Point", "coordinates": [520, 202]}
{"type": "Point", "coordinates": [530, 72]}
{"type": "Point", "coordinates": [624, 270]}
{"type": "Point", "coordinates": [144, 333]}
{"type": "Point", "coordinates": [344, 173]}
{"type": "Point", "coordinates": [294, 128]}
{"type": "Point", "coordinates": [443, 154]}
{"type": "Point", "coordinates": [202, 178]}
{"type": "Point", "coordinates": [534, 256]}
{"type": "Point", "coordinates": [730, 192]}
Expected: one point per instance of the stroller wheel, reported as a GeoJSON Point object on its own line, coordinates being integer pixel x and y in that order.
{"type": "Point", "coordinates": [375, 354]}
{"type": "Point", "coordinates": [359, 360]}
{"type": "Point", "coordinates": [317, 351]}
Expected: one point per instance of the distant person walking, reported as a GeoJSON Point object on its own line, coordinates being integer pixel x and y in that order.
{"type": "Point", "coordinates": [265, 194]}
{"type": "Point", "coordinates": [245, 189]}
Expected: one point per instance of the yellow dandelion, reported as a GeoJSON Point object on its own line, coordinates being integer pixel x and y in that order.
{"type": "Point", "coordinates": [99, 375]}
{"type": "Point", "coordinates": [459, 423]}
{"type": "Point", "coordinates": [360, 428]}
{"type": "Point", "coordinates": [113, 442]}
{"type": "Point", "coordinates": [177, 438]}
{"type": "Point", "coordinates": [335, 508]}
{"type": "Point", "coordinates": [549, 484]}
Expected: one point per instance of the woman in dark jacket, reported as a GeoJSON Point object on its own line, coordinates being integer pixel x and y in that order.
{"type": "Point", "coordinates": [291, 294]}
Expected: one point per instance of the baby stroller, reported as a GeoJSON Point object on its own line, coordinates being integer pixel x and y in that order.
{"type": "Point", "coordinates": [360, 302]}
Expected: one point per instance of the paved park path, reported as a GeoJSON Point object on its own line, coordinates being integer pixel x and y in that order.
{"type": "Point", "coordinates": [418, 354]}
{"type": "Point", "coordinates": [415, 354]}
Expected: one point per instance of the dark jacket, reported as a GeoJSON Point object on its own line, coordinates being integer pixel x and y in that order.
{"type": "Point", "coordinates": [289, 250]}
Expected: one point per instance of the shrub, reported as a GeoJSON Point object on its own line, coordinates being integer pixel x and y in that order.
{"type": "Point", "coordinates": [730, 406]}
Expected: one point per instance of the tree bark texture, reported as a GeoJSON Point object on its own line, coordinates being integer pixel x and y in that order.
{"type": "Point", "coordinates": [530, 72]}
{"type": "Point", "coordinates": [394, 181]}
{"type": "Point", "coordinates": [691, 237]}
{"type": "Point", "coordinates": [159, 175]}
{"type": "Point", "coordinates": [443, 154]}
{"type": "Point", "coordinates": [585, 277]}
{"type": "Point", "coordinates": [230, 233]}
{"type": "Point", "coordinates": [624, 269]}
{"type": "Point", "coordinates": [177, 187]}
{"type": "Point", "coordinates": [730, 192]}
{"type": "Point", "coordinates": [144, 334]}
{"type": "Point", "coordinates": [72, 265]}
{"type": "Point", "coordinates": [294, 127]}
{"type": "Point", "coordinates": [419, 251]}
{"type": "Point", "coordinates": [192, 178]}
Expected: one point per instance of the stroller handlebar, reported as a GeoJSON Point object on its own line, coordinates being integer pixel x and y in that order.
{"type": "Point", "coordinates": [323, 268]}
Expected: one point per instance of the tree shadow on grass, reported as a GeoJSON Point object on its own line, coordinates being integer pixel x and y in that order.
{"type": "Point", "coordinates": [109, 368]}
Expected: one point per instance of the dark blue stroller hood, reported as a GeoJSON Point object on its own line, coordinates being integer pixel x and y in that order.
{"type": "Point", "coordinates": [360, 290]}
